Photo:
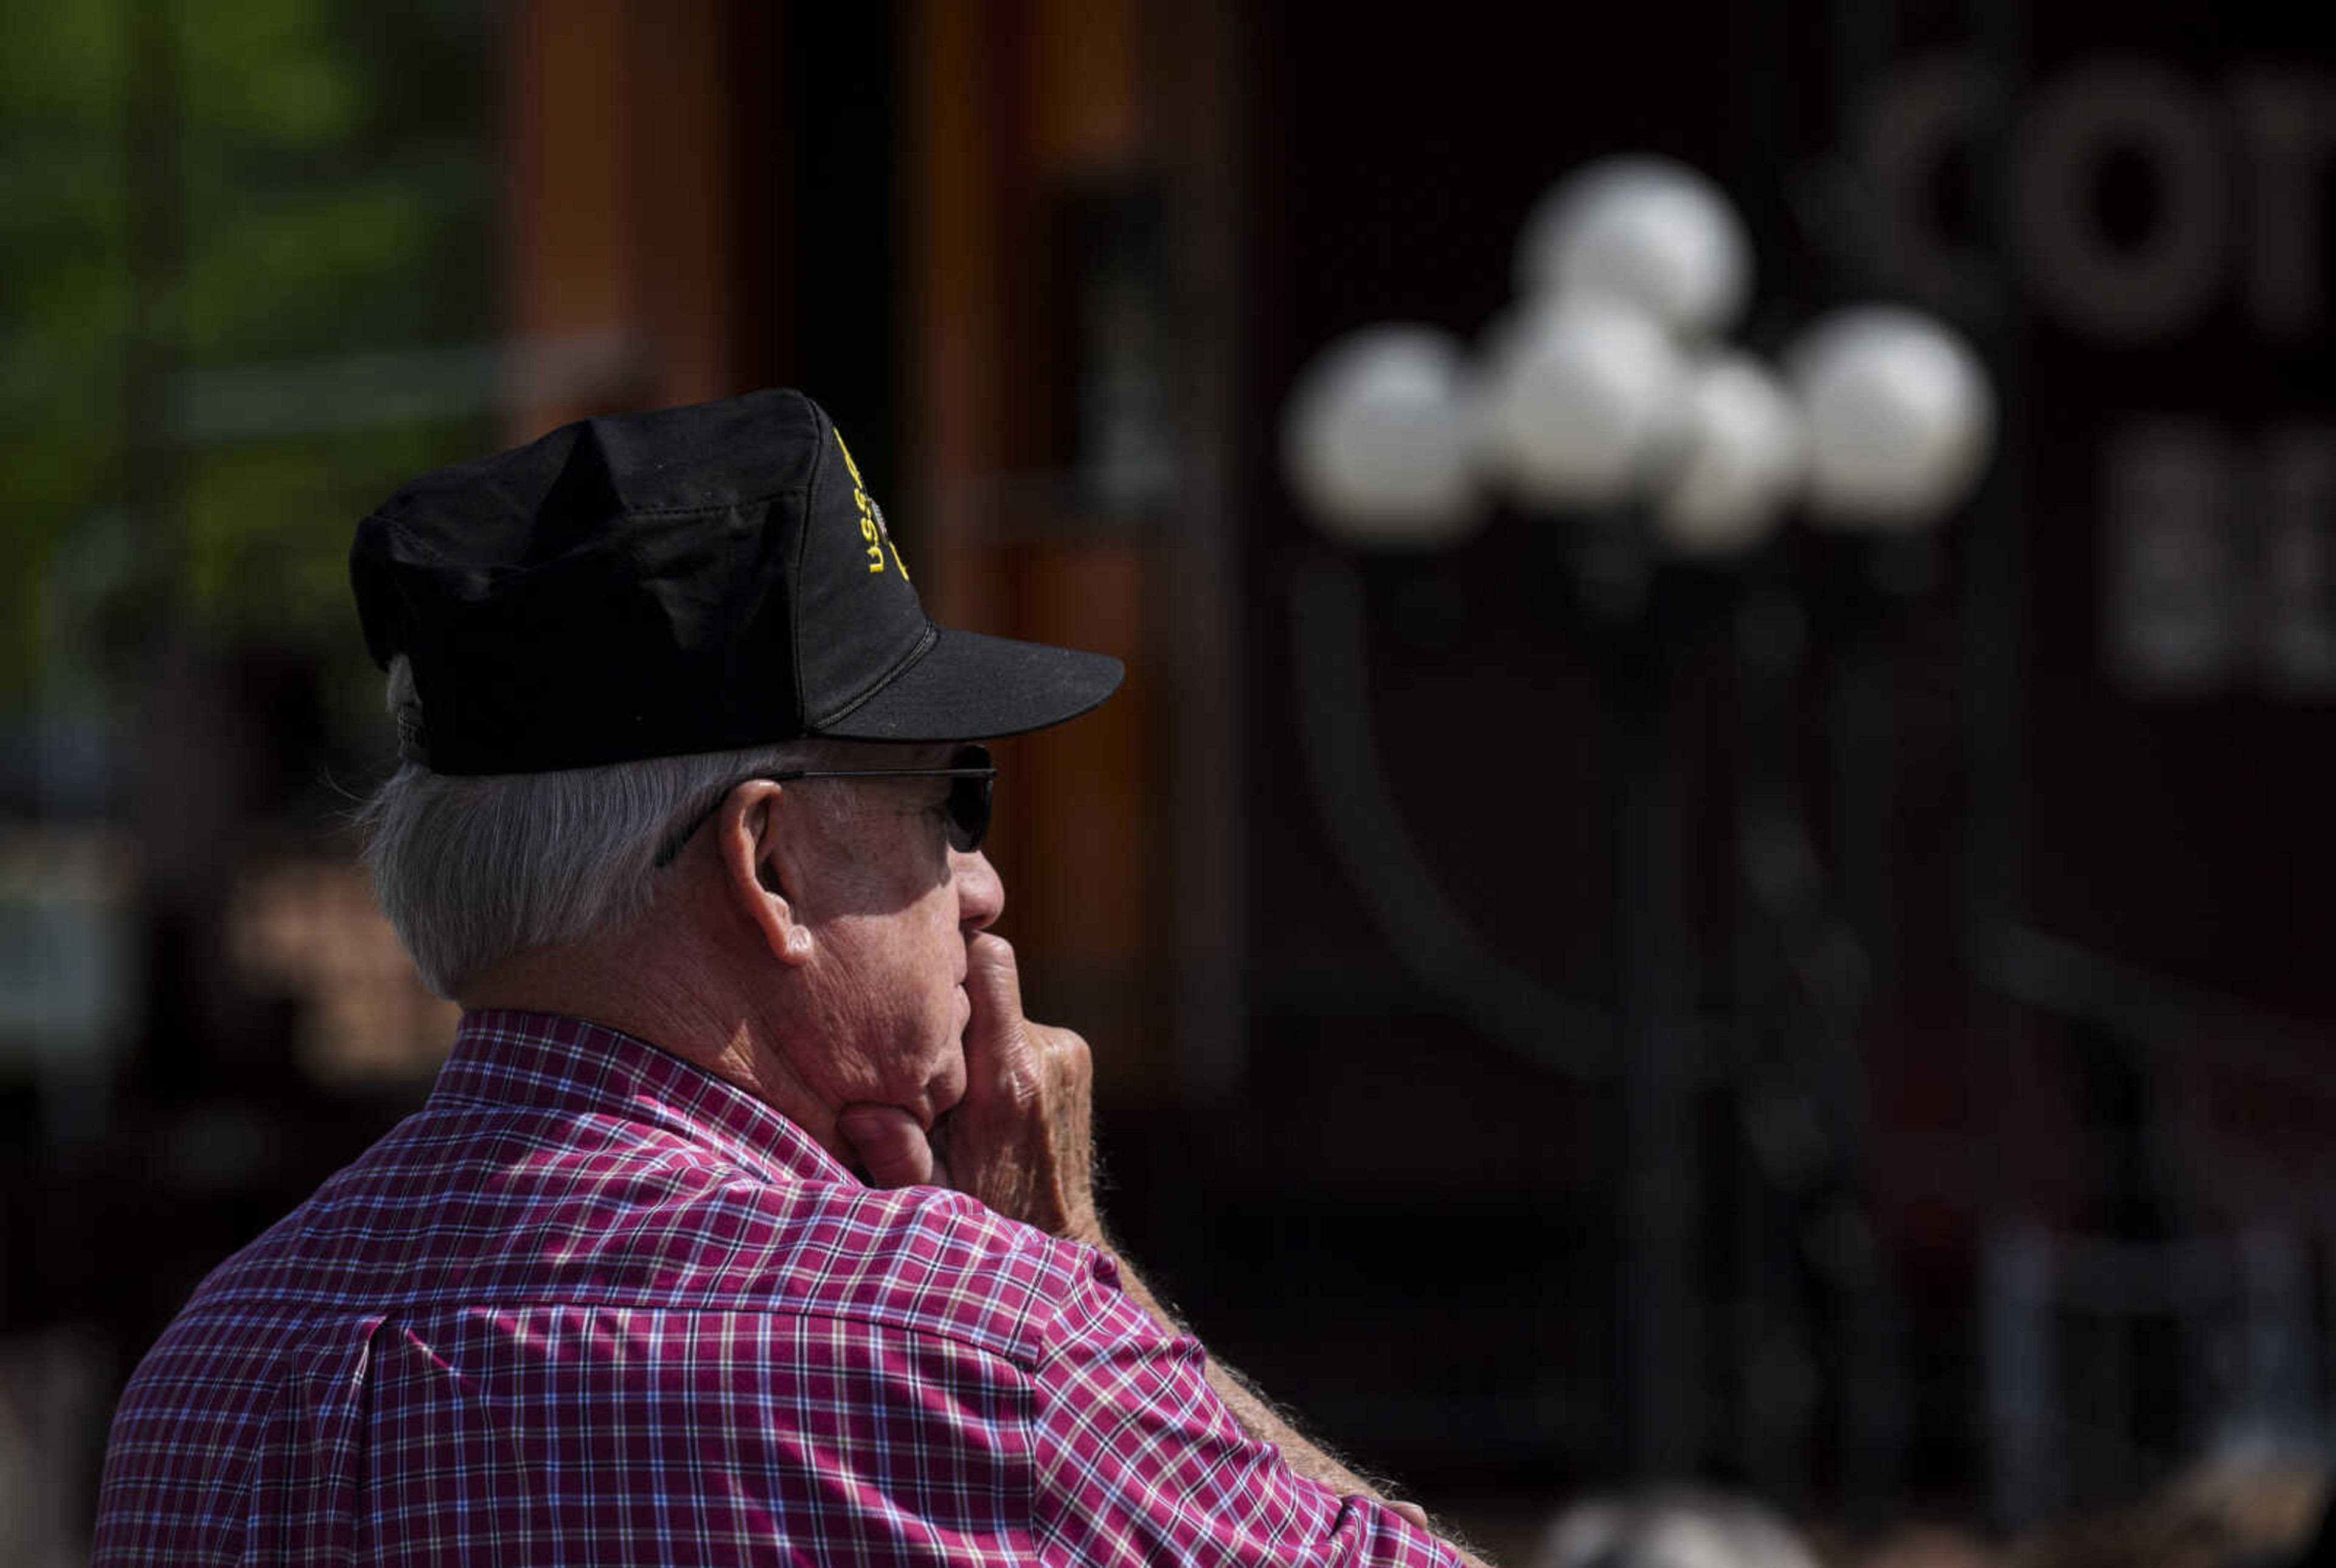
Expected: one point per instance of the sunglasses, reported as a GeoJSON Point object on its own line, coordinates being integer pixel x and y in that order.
{"type": "Point", "coordinates": [971, 771]}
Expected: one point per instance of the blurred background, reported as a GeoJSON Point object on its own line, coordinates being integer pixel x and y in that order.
{"type": "Point", "coordinates": [1843, 1018]}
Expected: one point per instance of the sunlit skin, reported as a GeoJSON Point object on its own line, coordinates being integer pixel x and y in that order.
{"type": "Point", "coordinates": [867, 912]}
{"type": "Point", "coordinates": [874, 939]}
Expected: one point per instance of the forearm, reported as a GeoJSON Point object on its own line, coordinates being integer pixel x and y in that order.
{"type": "Point", "coordinates": [1258, 1418]}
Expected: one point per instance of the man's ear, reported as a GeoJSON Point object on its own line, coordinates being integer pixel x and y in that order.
{"type": "Point", "coordinates": [757, 837]}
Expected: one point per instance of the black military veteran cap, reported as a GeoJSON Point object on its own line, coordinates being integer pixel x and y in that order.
{"type": "Point", "coordinates": [687, 579]}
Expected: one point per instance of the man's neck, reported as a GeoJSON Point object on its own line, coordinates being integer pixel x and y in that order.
{"type": "Point", "coordinates": [656, 991]}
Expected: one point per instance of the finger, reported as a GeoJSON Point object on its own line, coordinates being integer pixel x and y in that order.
{"type": "Point", "coordinates": [993, 983]}
{"type": "Point", "coordinates": [1413, 1511]}
{"type": "Point", "coordinates": [892, 1148]}
{"type": "Point", "coordinates": [1067, 1054]}
{"type": "Point", "coordinates": [945, 1156]}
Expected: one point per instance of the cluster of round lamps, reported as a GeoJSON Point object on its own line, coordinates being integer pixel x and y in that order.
{"type": "Point", "coordinates": [1609, 384]}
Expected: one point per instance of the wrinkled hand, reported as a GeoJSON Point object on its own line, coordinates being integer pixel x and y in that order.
{"type": "Point", "coordinates": [1022, 1139]}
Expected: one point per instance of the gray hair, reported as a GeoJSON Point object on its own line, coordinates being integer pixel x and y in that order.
{"type": "Point", "coordinates": [471, 870]}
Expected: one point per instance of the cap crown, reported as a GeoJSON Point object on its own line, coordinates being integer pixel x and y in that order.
{"type": "Point", "coordinates": [650, 584]}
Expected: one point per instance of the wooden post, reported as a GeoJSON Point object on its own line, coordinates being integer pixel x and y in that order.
{"type": "Point", "coordinates": [638, 256]}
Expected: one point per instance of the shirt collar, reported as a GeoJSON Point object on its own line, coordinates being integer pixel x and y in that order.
{"type": "Point", "coordinates": [545, 1062]}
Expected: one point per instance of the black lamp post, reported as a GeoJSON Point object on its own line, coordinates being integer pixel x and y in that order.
{"type": "Point", "coordinates": [1604, 404]}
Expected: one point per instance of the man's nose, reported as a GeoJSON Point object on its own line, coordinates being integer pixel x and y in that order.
{"type": "Point", "coordinates": [980, 893]}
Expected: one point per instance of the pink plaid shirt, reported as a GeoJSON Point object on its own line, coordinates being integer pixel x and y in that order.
{"type": "Point", "coordinates": [591, 1305]}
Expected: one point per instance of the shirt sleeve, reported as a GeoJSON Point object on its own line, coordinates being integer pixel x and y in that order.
{"type": "Point", "coordinates": [1139, 1462]}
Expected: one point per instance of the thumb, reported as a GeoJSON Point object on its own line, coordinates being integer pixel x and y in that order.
{"type": "Point", "coordinates": [892, 1148]}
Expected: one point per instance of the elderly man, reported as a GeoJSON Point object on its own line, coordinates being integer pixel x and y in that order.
{"type": "Point", "coordinates": [750, 1219]}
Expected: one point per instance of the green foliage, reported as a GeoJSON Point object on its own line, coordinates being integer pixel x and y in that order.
{"type": "Point", "coordinates": [327, 191]}
{"type": "Point", "coordinates": [63, 302]}
{"type": "Point", "coordinates": [269, 524]}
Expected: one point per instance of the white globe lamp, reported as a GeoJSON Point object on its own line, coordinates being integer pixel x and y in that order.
{"type": "Point", "coordinates": [1901, 418]}
{"type": "Point", "coordinates": [1647, 231]}
{"type": "Point", "coordinates": [1584, 400]}
{"type": "Point", "coordinates": [1375, 439]}
{"type": "Point", "coordinates": [1742, 463]}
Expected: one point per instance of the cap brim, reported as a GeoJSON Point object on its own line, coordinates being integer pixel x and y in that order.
{"type": "Point", "coordinates": [969, 687]}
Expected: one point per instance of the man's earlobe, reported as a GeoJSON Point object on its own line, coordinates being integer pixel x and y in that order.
{"type": "Point", "coordinates": [754, 863]}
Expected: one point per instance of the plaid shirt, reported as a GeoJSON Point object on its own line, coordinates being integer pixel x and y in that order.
{"type": "Point", "coordinates": [593, 1305]}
